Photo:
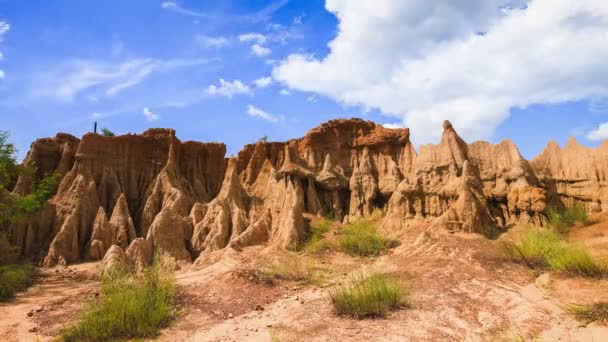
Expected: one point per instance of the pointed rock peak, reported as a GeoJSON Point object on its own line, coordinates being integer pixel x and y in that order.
{"type": "Point", "coordinates": [231, 185]}
{"type": "Point", "coordinates": [121, 209]}
{"type": "Point", "coordinates": [447, 125]}
{"type": "Point", "coordinates": [100, 217]}
{"type": "Point", "coordinates": [572, 143]}
{"type": "Point", "coordinates": [172, 158]}
{"type": "Point", "coordinates": [450, 140]}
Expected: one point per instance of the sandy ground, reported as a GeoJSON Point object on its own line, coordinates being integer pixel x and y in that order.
{"type": "Point", "coordinates": [462, 290]}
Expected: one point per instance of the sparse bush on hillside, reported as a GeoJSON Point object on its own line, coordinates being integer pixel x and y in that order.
{"type": "Point", "coordinates": [131, 306]}
{"type": "Point", "coordinates": [15, 278]}
{"type": "Point", "coordinates": [106, 132]}
{"type": "Point", "coordinates": [316, 242]}
{"type": "Point", "coordinates": [291, 268]}
{"type": "Point", "coordinates": [373, 296]}
{"type": "Point", "coordinates": [361, 238]}
{"type": "Point", "coordinates": [547, 250]}
{"type": "Point", "coordinates": [597, 312]}
{"type": "Point", "coordinates": [562, 219]}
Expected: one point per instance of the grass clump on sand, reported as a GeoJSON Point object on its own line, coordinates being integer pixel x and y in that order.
{"type": "Point", "coordinates": [131, 306]}
{"type": "Point", "coordinates": [361, 238]}
{"type": "Point", "coordinates": [373, 296]}
{"type": "Point", "coordinates": [14, 278]}
{"type": "Point", "coordinates": [597, 312]}
{"type": "Point", "coordinates": [562, 219]}
{"type": "Point", "coordinates": [291, 268]}
{"type": "Point", "coordinates": [547, 250]}
{"type": "Point", "coordinates": [316, 242]}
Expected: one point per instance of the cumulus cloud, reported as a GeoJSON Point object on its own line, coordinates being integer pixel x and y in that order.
{"type": "Point", "coordinates": [259, 113]}
{"type": "Point", "coordinates": [76, 76]}
{"type": "Point", "coordinates": [467, 61]}
{"type": "Point", "coordinates": [263, 82]}
{"type": "Point", "coordinates": [259, 50]}
{"type": "Point", "coordinates": [600, 133]}
{"type": "Point", "coordinates": [149, 115]}
{"type": "Point", "coordinates": [252, 37]}
{"type": "Point", "coordinates": [228, 89]}
{"type": "Point", "coordinates": [211, 42]}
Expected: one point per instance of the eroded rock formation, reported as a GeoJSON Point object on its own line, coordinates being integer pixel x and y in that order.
{"type": "Point", "coordinates": [140, 195]}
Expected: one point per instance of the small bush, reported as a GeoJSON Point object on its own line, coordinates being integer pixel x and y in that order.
{"type": "Point", "coordinates": [106, 132]}
{"type": "Point", "coordinates": [374, 296]}
{"type": "Point", "coordinates": [15, 278]}
{"type": "Point", "coordinates": [547, 250]}
{"type": "Point", "coordinates": [130, 307]}
{"type": "Point", "coordinates": [597, 312]}
{"type": "Point", "coordinates": [361, 238]}
{"type": "Point", "coordinates": [562, 219]}
{"type": "Point", "coordinates": [316, 242]}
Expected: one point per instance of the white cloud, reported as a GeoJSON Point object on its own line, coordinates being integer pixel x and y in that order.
{"type": "Point", "coordinates": [175, 7]}
{"type": "Point", "coordinates": [252, 37]}
{"type": "Point", "coordinates": [263, 82]}
{"type": "Point", "coordinates": [4, 28]}
{"type": "Point", "coordinates": [149, 115]}
{"type": "Point", "coordinates": [228, 89]}
{"type": "Point", "coordinates": [212, 42]}
{"type": "Point", "coordinates": [284, 92]}
{"type": "Point", "coordinates": [466, 61]}
{"type": "Point", "coordinates": [76, 76]}
{"type": "Point", "coordinates": [600, 133]}
{"type": "Point", "coordinates": [393, 125]}
{"type": "Point", "coordinates": [259, 113]}
{"type": "Point", "coordinates": [259, 50]}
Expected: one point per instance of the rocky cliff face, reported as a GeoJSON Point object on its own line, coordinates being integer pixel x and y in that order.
{"type": "Point", "coordinates": [152, 193]}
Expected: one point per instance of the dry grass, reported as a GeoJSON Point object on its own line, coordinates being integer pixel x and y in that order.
{"type": "Point", "coordinates": [373, 296]}
{"type": "Point", "coordinates": [597, 312]}
{"type": "Point", "coordinates": [361, 238]}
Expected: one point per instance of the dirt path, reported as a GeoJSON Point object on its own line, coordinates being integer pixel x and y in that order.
{"type": "Point", "coordinates": [59, 292]}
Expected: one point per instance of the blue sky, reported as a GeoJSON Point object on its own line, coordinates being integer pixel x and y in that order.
{"type": "Point", "coordinates": [233, 71]}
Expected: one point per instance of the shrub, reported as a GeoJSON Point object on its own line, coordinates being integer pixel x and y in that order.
{"type": "Point", "coordinates": [106, 132]}
{"type": "Point", "coordinates": [374, 296]}
{"type": "Point", "coordinates": [562, 219]}
{"type": "Point", "coordinates": [317, 242]}
{"type": "Point", "coordinates": [597, 312]}
{"type": "Point", "coordinates": [15, 278]}
{"type": "Point", "coordinates": [547, 250]}
{"type": "Point", "coordinates": [361, 238]}
{"type": "Point", "coordinates": [130, 307]}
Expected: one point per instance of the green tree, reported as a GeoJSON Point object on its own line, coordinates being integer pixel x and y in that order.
{"type": "Point", "coordinates": [263, 138]}
{"type": "Point", "coordinates": [13, 206]}
{"type": "Point", "coordinates": [107, 132]}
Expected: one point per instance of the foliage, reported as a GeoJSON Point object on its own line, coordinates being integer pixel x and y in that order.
{"type": "Point", "coordinates": [264, 138]}
{"type": "Point", "coordinates": [106, 132]}
{"type": "Point", "coordinates": [9, 169]}
{"type": "Point", "coordinates": [131, 306]}
{"type": "Point", "coordinates": [597, 312]}
{"type": "Point", "coordinates": [316, 242]}
{"type": "Point", "coordinates": [547, 250]}
{"type": "Point", "coordinates": [14, 278]}
{"type": "Point", "coordinates": [562, 219]}
{"type": "Point", "coordinates": [361, 238]}
{"type": "Point", "coordinates": [374, 296]}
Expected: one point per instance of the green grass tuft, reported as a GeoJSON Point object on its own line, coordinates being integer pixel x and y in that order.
{"type": "Point", "coordinates": [361, 238]}
{"type": "Point", "coordinates": [562, 219]}
{"type": "Point", "coordinates": [374, 296]}
{"type": "Point", "coordinates": [130, 307]}
{"type": "Point", "coordinates": [597, 312]}
{"type": "Point", "coordinates": [15, 278]}
{"type": "Point", "coordinates": [316, 242]}
{"type": "Point", "coordinates": [547, 250]}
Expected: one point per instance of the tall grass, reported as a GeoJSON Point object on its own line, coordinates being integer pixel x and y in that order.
{"type": "Point", "coordinates": [374, 296]}
{"type": "Point", "coordinates": [291, 269]}
{"type": "Point", "coordinates": [316, 242]}
{"type": "Point", "coordinates": [361, 238]}
{"type": "Point", "coordinates": [597, 312]}
{"type": "Point", "coordinates": [15, 278]}
{"type": "Point", "coordinates": [540, 249]}
{"type": "Point", "coordinates": [562, 219]}
{"type": "Point", "coordinates": [130, 307]}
